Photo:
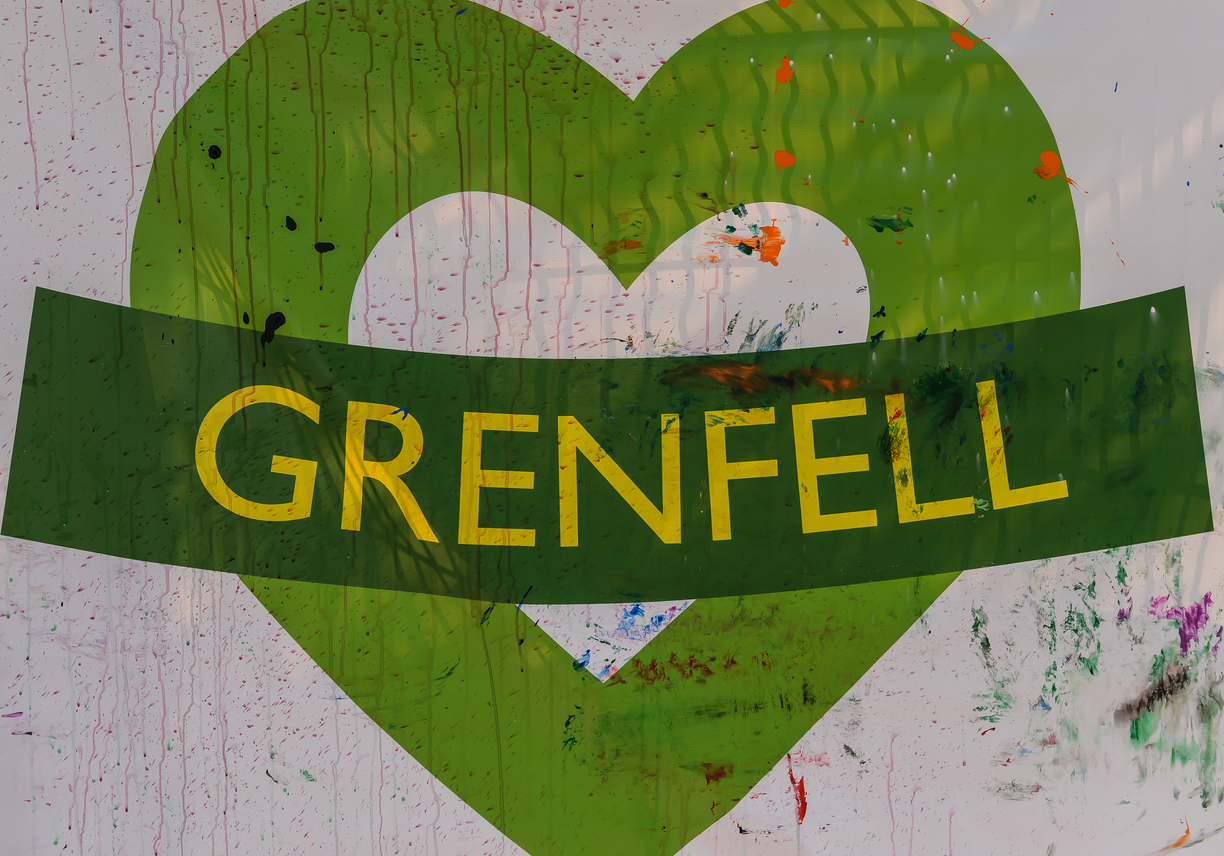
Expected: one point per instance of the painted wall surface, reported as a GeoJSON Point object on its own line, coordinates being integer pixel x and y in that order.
{"type": "Point", "coordinates": [1062, 705]}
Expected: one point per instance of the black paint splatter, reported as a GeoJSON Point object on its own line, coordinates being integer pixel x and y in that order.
{"type": "Point", "coordinates": [246, 319]}
{"type": "Point", "coordinates": [325, 246]}
{"type": "Point", "coordinates": [275, 321]}
{"type": "Point", "coordinates": [875, 340]}
{"type": "Point", "coordinates": [879, 314]}
{"type": "Point", "coordinates": [290, 223]}
{"type": "Point", "coordinates": [214, 152]}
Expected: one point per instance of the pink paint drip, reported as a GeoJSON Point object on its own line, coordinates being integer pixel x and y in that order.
{"type": "Point", "coordinates": [25, 76]}
{"type": "Point", "coordinates": [1190, 619]}
{"type": "Point", "coordinates": [892, 836]}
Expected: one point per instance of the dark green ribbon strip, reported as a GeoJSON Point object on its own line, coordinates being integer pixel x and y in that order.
{"type": "Point", "coordinates": [113, 399]}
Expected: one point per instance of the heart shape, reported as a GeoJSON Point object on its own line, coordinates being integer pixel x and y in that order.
{"type": "Point", "coordinates": [538, 291]}
{"type": "Point", "coordinates": [271, 186]}
{"type": "Point", "coordinates": [338, 123]}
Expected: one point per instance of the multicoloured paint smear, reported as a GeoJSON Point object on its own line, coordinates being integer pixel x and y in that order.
{"type": "Point", "coordinates": [765, 240]}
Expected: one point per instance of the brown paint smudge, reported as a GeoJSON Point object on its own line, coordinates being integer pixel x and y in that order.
{"type": "Point", "coordinates": [613, 247]}
{"type": "Point", "coordinates": [750, 379]}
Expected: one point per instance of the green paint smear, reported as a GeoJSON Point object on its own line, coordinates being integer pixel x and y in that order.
{"type": "Point", "coordinates": [668, 746]}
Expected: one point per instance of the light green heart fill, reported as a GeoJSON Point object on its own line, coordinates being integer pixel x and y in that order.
{"type": "Point", "coordinates": [347, 116]}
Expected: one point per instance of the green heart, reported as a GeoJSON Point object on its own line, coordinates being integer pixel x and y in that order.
{"type": "Point", "coordinates": [347, 118]}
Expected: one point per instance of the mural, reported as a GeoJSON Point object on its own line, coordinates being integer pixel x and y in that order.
{"type": "Point", "coordinates": [493, 431]}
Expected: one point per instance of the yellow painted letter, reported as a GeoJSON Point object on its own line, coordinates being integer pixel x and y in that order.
{"type": "Point", "coordinates": [908, 508]}
{"type": "Point", "coordinates": [810, 467]}
{"type": "Point", "coordinates": [573, 438]}
{"type": "Point", "coordinates": [472, 478]}
{"type": "Point", "coordinates": [357, 469]}
{"type": "Point", "coordinates": [717, 422]}
{"type": "Point", "coordinates": [1002, 494]}
{"type": "Point", "coordinates": [303, 472]}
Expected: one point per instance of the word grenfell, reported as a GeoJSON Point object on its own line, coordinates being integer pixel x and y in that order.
{"type": "Point", "coordinates": [663, 518]}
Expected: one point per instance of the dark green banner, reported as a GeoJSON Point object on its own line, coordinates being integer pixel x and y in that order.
{"type": "Point", "coordinates": [548, 481]}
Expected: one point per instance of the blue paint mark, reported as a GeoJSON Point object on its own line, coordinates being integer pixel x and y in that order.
{"type": "Point", "coordinates": [921, 335]}
{"type": "Point", "coordinates": [773, 342]}
{"type": "Point", "coordinates": [485, 617]}
{"type": "Point", "coordinates": [875, 340]}
{"type": "Point", "coordinates": [524, 600]}
{"type": "Point", "coordinates": [1115, 87]}
{"type": "Point", "coordinates": [461, 11]}
{"type": "Point", "coordinates": [401, 410]}
{"type": "Point", "coordinates": [582, 662]}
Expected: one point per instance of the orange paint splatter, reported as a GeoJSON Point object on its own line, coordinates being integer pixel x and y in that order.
{"type": "Point", "coordinates": [963, 41]}
{"type": "Point", "coordinates": [783, 158]}
{"type": "Point", "coordinates": [782, 4]}
{"type": "Point", "coordinates": [768, 243]}
{"type": "Point", "coordinates": [784, 74]}
{"type": "Point", "coordinates": [1051, 165]}
{"type": "Point", "coordinates": [860, 118]}
{"type": "Point", "coordinates": [613, 247]}
{"type": "Point", "coordinates": [846, 241]}
{"type": "Point", "coordinates": [1179, 842]}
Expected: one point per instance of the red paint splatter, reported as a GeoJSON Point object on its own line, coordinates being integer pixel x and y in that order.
{"type": "Point", "coordinates": [783, 158]}
{"type": "Point", "coordinates": [729, 662]}
{"type": "Point", "coordinates": [782, 4]}
{"type": "Point", "coordinates": [715, 773]}
{"type": "Point", "coordinates": [613, 247]}
{"type": "Point", "coordinates": [1051, 165]}
{"type": "Point", "coordinates": [798, 790]}
{"type": "Point", "coordinates": [987, 731]}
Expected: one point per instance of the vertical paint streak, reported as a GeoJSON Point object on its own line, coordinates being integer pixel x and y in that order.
{"type": "Point", "coordinates": [68, 63]}
{"type": "Point", "coordinates": [892, 815]}
{"type": "Point", "coordinates": [25, 77]}
{"type": "Point", "coordinates": [127, 209]}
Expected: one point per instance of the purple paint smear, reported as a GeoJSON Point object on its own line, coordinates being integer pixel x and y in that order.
{"type": "Point", "coordinates": [1190, 619]}
{"type": "Point", "coordinates": [11, 715]}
